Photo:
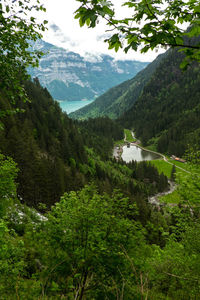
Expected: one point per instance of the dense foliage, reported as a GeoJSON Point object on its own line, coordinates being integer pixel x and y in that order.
{"type": "Point", "coordinates": [44, 142]}
{"type": "Point", "coordinates": [100, 134]}
{"type": "Point", "coordinates": [18, 27]}
{"type": "Point", "coordinates": [92, 246]}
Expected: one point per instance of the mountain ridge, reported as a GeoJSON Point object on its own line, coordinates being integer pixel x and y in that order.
{"type": "Point", "coordinates": [69, 76]}
{"type": "Point", "coordinates": [167, 112]}
{"type": "Point", "coordinates": [120, 98]}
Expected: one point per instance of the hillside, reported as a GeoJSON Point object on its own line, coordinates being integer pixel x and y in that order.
{"type": "Point", "coordinates": [55, 154]}
{"type": "Point", "coordinates": [69, 76]}
{"type": "Point", "coordinates": [42, 141]}
{"type": "Point", "coordinates": [120, 98]}
{"type": "Point", "coordinates": [168, 109]}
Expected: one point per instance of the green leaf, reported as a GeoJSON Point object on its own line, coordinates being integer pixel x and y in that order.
{"type": "Point", "coordinates": [108, 11]}
{"type": "Point", "coordinates": [184, 64]}
{"type": "Point", "coordinates": [88, 22]}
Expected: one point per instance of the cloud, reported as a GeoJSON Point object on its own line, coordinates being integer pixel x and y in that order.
{"type": "Point", "coordinates": [56, 33]}
{"type": "Point", "coordinates": [54, 27]}
{"type": "Point", "coordinates": [64, 31]}
{"type": "Point", "coordinates": [65, 39]}
{"type": "Point", "coordinates": [102, 37]}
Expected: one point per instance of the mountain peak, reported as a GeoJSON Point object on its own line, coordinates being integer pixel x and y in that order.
{"type": "Point", "coordinates": [69, 76]}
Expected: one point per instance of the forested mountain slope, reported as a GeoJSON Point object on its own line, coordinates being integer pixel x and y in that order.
{"type": "Point", "coordinates": [56, 154]}
{"type": "Point", "coordinates": [43, 141]}
{"type": "Point", "coordinates": [169, 107]}
{"type": "Point", "coordinates": [120, 98]}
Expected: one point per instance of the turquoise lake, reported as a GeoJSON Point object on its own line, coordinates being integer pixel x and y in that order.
{"type": "Point", "coordinates": [70, 106]}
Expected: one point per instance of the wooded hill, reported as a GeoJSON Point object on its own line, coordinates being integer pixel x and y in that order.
{"type": "Point", "coordinates": [168, 109]}
{"type": "Point", "coordinates": [120, 98]}
{"type": "Point", "coordinates": [43, 141]}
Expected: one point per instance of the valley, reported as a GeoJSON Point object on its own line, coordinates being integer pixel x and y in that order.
{"type": "Point", "coordinates": [102, 202]}
{"type": "Point", "coordinates": [127, 150]}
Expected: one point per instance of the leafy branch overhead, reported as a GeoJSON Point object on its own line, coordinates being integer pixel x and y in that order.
{"type": "Point", "coordinates": [18, 28]}
{"type": "Point", "coordinates": [150, 25]}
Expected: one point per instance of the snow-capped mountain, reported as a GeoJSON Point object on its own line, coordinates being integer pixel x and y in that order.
{"type": "Point", "coordinates": [68, 76]}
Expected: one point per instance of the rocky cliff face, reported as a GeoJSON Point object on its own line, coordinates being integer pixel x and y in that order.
{"type": "Point", "coordinates": [68, 76]}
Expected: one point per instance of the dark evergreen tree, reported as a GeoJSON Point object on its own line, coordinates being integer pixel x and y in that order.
{"type": "Point", "coordinates": [173, 173]}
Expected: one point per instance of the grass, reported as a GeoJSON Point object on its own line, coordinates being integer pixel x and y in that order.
{"type": "Point", "coordinates": [129, 136]}
{"type": "Point", "coordinates": [118, 143]}
{"type": "Point", "coordinates": [188, 189]}
{"type": "Point", "coordinates": [163, 167]}
{"type": "Point", "coordinates": [166, 168]}
{"type": "Point", "coordinates": [174, 198]}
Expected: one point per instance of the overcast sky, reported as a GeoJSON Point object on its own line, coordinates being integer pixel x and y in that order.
{"type": "Point", "coordinates": [64, 31]}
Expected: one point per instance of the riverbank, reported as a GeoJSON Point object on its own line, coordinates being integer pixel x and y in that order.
{"type": "Point", "coordinates": [154, 200]}
{"type": "Point", "coordinates": [117, 152]}
{"type": "Point", "coordinates": [147, 150]}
